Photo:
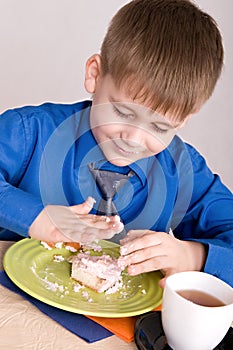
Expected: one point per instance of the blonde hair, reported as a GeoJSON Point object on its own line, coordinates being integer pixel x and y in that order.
{"type": "Point", "coordinates": [167, 53]}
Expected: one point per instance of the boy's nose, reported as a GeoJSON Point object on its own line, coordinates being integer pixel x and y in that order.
{"type": "Point", "coordinates": [133, 135]}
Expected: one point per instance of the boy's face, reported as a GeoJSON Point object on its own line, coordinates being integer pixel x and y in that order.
{"type": "Point", "coordinates": [126, 131]}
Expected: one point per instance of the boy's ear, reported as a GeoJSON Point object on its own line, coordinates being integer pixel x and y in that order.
{"type": "Point", "coordinates": [93, 67]}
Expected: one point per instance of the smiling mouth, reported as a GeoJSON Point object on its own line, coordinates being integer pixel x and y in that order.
{"type": "Point", "coordinates": [125, 151]}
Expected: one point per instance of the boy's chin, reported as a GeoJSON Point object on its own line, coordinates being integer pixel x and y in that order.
{"type": "Point", "coordinates": [120, 161]}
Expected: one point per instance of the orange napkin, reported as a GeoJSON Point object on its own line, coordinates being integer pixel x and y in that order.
{"type": "Point", "coordinates": [123, 327]}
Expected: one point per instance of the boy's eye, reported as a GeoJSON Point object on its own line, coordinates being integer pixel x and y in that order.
{"type": "Point", "coordinates": [121, 114]}
{"type": "Point", "coordinates": [159, 129]}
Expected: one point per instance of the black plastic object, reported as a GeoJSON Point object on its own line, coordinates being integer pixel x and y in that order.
{"type": "Point", "coordinates": [149, 334]}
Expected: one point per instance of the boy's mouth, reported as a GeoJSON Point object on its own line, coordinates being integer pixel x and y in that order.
{"type": "Point", "coordinates": [126, 150]}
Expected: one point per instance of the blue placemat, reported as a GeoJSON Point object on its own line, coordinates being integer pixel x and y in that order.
{"type": "Point", "coordinates": [75, 323]}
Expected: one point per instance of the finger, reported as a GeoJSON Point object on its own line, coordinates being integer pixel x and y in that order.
{"type": "Point", "coordinates": [85, 207]}
{"type": "Point", "coordinates": [145, 254]}
{"type": "Point", "coordinates": [91, 234]}
{"type": "Point", "coordinates": [137, 265]}
{"type": "Point", "coordinates": [167, 273]}
{"type": "Point", "coordinates": [161, 262]}
{"type": "Point", "coordinates": [153, 264]}
{"type": "Point", "coordinates": [147, 240]}
{"type": "Point", "coordinates": [131, 235]}
{"type": "Point", "coordinates": [162, 282]}
{"type": "Point", "coordinates": [97, 222]}
{"type": "Point", "coordinates": [100, 219]}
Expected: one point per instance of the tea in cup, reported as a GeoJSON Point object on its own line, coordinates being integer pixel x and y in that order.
{"type": "Point", "coordinates": [197, 310]}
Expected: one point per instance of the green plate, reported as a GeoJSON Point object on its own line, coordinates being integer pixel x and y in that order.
{"type": "Point", "coordinates": [32, 268]}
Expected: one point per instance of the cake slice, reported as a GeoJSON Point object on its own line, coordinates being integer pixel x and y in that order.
{"type": "Point", "coordinates": [99, 273]}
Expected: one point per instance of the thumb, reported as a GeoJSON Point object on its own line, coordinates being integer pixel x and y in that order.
{"type": "Point", "coordinates": [85, 207]}
{"type": "Point", "coordinates": [166, 273]}
{"type": "Point", "coordinates": [162, 283]}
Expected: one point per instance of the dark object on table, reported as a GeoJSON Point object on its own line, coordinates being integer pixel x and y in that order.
{"type": "Point", "coordinates": [149, 334]}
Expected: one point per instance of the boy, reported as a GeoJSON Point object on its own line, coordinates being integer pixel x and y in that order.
{"type": "Point", "coordinates": [159, 62]}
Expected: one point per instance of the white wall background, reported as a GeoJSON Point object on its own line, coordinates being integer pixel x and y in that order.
{"type": "Point", "coordinates": [44, 45]}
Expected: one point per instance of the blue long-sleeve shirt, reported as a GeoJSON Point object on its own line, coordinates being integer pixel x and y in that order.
{"type": "Point", "coordinates": [44, 156]}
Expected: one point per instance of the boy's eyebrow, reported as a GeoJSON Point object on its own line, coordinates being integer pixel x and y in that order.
{"type": "Point", "coordinates": [162, 122]}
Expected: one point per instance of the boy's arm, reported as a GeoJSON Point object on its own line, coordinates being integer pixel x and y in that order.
{"type": "Point", "coordinates": [209, 220]}
{"type": "Point", "coordinates": [18, 209]}
{"type": "Point", "coordinates": [145, 250]}
{"type": "Point", "coordinates": [73, 224]}
{"type": "Point", "coordinates": [203, 240]}
{"type": "Point", "coordinates": [214, 229]}
{"type": "Point", "coordinates": [21, 209]}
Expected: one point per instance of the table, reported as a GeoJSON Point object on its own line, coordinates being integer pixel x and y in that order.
{"type": "Point", "coordinates": [23, 326]}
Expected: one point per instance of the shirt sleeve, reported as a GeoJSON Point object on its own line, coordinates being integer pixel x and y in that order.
{"type": "Point", "coordinates": [18, 208]}
{"type": "Point", "coordinates": [209, 219]}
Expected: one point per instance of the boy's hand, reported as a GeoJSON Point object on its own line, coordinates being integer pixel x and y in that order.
{"type": "Point", "coordinates": [66, 224]}
{"type": "Point", "coordinates": [144, 251]}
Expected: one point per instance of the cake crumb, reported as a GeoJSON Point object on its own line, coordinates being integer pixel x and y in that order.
{"type": "Point", "coordinates": [58, 258]}
{"type": "Point", "coordinates": [77, 288]}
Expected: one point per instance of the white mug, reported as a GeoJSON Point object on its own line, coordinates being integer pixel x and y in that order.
{"type": "Point", "coordinates": [188, 325]}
